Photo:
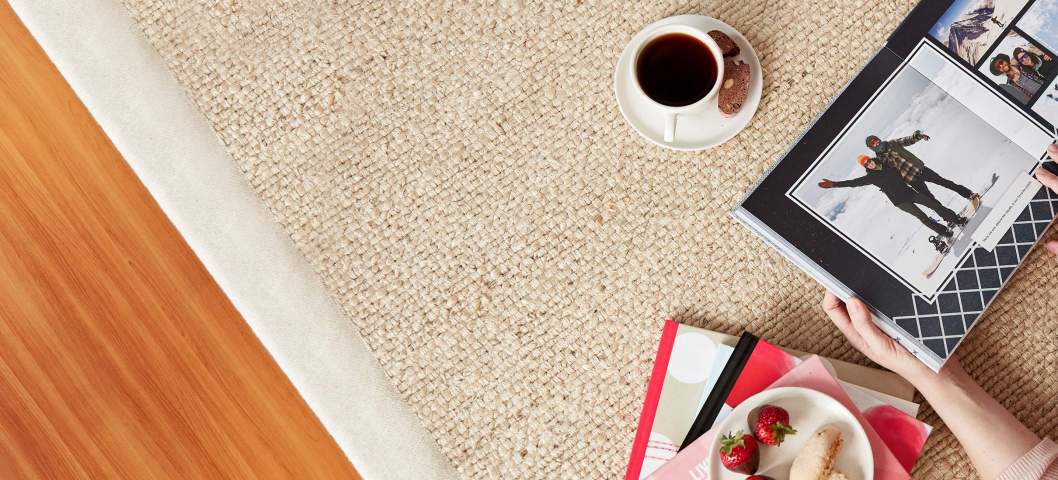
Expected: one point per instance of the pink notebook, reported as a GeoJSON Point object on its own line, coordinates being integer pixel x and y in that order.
{"type": "Point", "coordinates": [908, 433]}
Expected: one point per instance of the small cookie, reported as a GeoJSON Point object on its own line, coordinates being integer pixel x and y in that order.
{"type": "Point", "coordinates": [734, 88]}
{"type": "Point", "coordinates": [728, 48]}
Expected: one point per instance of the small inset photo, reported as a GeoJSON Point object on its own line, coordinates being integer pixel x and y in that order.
{"type": "Point", "coordinates": [1019, 67]}
{"type": "Point", "coordinates": [969, 27]}
{"type": "Point", "coordinates": [1047, 105]}
{"type": "Point", "coordinates": [1040, 23]}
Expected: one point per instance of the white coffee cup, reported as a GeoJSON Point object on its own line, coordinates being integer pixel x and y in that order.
{"type": "Point", "coordinates": [672, 112]}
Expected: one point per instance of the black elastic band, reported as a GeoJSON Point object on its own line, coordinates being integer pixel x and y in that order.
{"type": "Point", "coordinates": [715, 401]}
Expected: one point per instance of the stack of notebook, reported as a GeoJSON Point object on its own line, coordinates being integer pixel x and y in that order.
{"type": "Point", "coordinates": [699, 376]}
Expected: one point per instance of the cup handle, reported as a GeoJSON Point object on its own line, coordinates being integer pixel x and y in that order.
{"type": "Point", "coordinates": [670, 127]}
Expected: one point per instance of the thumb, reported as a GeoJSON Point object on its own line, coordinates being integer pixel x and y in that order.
{"type": "Point", "coordinates": [1047, 178]}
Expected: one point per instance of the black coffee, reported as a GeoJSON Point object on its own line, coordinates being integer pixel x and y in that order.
{"type": "Point", "coordinates": [676, 69]}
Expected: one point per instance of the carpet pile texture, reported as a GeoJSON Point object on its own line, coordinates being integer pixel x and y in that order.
{"type": "Point", "coordinates": [462, 180]}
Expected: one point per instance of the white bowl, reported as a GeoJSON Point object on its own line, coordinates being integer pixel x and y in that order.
{"type": "Point", "coordinates": [809, 410]}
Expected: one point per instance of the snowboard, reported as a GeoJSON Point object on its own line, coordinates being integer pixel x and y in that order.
{"type": "Point", "coordinates": [958, 233]}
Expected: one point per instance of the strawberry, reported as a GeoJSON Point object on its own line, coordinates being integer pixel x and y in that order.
{"type": "Point", "coordinates": [758, 477]}
{"type": "Point", "coordinates": [739, 453]}
{"type": "Point", "coordinates": [772, 425]}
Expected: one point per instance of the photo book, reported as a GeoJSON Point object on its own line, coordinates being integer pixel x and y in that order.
{"type": "Point", "coordinates": [914, 189]}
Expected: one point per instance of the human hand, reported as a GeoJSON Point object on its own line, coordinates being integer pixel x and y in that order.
{"type": "Point", "coordinates": [826, 183]}
{"type": "Point", "coordinates": [854, 321]}
{"type": "Point", "coordinates": [1050, 180]}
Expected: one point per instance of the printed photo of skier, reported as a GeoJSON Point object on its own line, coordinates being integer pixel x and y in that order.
{"type": "Point", "coordinates": [969, 27]}
{"type": "Point", "coordinates": [901, 177]}
{"type": "Point", "coordinates": [1019, 67]}
{"type": "Point", "coordinates": [911, 179]}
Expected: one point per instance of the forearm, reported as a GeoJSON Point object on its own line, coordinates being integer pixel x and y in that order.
{"type": "Point", "coordinates": [908, 140]}
{"type": "Point", "coordinates": [855, 182]}
{"type": "Point", "coordinates": [992, 437]}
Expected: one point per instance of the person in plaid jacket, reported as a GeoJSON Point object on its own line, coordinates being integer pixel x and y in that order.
{"type": "Point", "coordinates": [901, 195]}
{"type": "Point", "coordinates": [894, 154]}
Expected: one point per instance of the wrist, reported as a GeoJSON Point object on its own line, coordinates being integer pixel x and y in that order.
{"type": "Point", "coordinates": [919, 375]}
{"type": "Point", "coordinates": [926, 380]}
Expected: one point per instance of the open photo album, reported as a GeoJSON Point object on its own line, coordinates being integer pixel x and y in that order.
{"type": "Point", "coordinates": [914, 189]}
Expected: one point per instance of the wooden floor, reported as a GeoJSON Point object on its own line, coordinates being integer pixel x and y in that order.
{"type": "Point", "coordinates": [119, 355]}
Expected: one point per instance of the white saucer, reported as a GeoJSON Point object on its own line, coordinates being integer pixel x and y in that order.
{"type": "Point", "coordinates": [809, 410]}
{"type": "Point", "coordinates": [693, 132]}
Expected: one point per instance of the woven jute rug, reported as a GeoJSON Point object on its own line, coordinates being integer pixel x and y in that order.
{"type": "Point", "coordinates": [462, 179]}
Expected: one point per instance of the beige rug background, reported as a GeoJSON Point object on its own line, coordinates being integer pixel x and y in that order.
{"type": "Point", "coordinates": [463, 182]}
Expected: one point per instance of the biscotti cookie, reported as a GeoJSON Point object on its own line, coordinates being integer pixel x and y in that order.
{"type": "Point", "coordinates": [734, 88]}
{"type": "Point", "coordinates": [728, 48]}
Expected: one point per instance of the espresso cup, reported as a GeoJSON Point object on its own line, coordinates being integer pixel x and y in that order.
{"type": "Point", "coordinates": [658, 80]}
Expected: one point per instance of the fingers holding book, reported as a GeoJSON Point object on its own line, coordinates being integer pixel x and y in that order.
{"type": "Point", "coordinates": [854, 321]}
{"type": "Point", "coordinates": [1045, 175]}
{"type": "Point", "coordinates": [1049, 180]}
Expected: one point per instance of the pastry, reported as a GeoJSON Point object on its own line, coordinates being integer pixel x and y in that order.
{"type": "Point", "coordinates": [816, 459]}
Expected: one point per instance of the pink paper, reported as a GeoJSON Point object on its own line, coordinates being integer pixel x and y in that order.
{"type": "Point", "coordinates": [692, 462]}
